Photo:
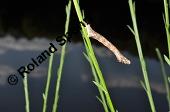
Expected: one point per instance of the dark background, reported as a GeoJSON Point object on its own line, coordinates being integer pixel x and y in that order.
{"type": "Point", "coordinates": [47, 18]}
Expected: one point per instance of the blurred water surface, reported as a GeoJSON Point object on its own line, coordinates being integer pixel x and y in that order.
{"type": "Point", "coordinates": [77, 90]}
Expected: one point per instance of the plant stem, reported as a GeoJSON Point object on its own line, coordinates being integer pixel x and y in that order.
{"type": "Point", "coordinates": [25, 83]}
{"type": "Point", "coordinates": [166, 21]}
{"type": "Point", "coordinates": [164, 76]}
{"type": "Point", "coordinates": [45, 95]}
{"type": "Point", "coordinates": [92, 57]}
{"type": "Point", "coordinates": [142, 60]}
{"type": "Point", "coordinates": [59, 73]}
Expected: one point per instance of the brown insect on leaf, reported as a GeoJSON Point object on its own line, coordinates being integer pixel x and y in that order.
{"type": "Point", "coordinates": [93, 34]}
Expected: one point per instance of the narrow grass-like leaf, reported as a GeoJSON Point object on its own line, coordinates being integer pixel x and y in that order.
{"type": "Point", "coordinates": [143, 85]}
{"type": "Point", "coordinates": [99, 100]}
{"type": "Point", "coordinates": [164, 19]}
{"type": "Point", "coordinates": [86, 57]}
{"type": "Point", "coordinates": [131, 29]}
{"type": "Point", "coordinates": [43, 96]}
{"type": "Point", "coordinates": [83, 14]}
{"type": "Point", "coordinates": [167, 60]}
{"type": "Point", "coordinates": [100, 87]}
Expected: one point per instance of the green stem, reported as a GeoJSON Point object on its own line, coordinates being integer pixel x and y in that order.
{"type": "Point", "coordinates": [26, 93]}
{"type": "Point", "coordinates": [97, 80]}
{"type": "Point", "coordinates": [92, 57]}
{"type": "Point", "coordinates": [59, 73]}
{"type": "Point", "coordinates": [164, 77]}
{"type": "Point", "coordinates": [45, 95]}
{"type": "Point", "coordinates": [142, 61]}
{"type": "Point", "coordinates": [167, 25]}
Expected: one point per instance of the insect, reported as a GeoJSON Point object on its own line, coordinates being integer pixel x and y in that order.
{"type": "Point", "coordinates": [93, 34]}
